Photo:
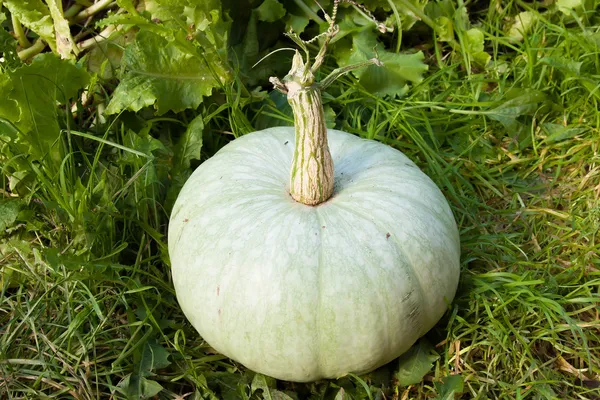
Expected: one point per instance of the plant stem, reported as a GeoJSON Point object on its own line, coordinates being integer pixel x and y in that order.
{"type": "Point", "coordinates": [311, 177]}
{"type": "Point", "coordinates": [94, 9]}
{"type": "Point", "coordinates": [18, 28]}
{"type": "Point", "coordinates": [311, 180]}
{"type": "Point", "coordinates": [399, 23]}
{"type": "Point", "coordinates": [102, 36]}
{"type": "Point", "coordinates": [32, 51]}
{"type": "Point", "coordinates": [73, 11]}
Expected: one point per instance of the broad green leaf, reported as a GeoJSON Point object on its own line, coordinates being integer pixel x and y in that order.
{"type": "Point", "coordinates": [267, 384]}
{"type": "Point", "coordinates": [407, 15]}
{"type": "Point", "coordinates": [138, 388]}
{"type": "Point", "coordinates": [65, 45]}
{"type": "Point", "coordinates": [567, 6]}
{"type": "Point", "coordinates": [279, 112]}
{"type": "Point", "coordinates": [230, 386]}
{"type": "Point", "coordinates": [8, 49]}
{"type": "Point", "coordinates": [520, 103]}
{"type": "Point", "coordinates": [9, 107]}
{"type": "Point", "coordinates": [19, 181]}
{"type": "Point", "coordinates": [159, 73]}
{"type": "Point", "coordinates": [264, 383]}
{"type": "Point", "coordinates": [251, 45]}
{"type": "Point", "coordinates": [449, 387]}
{"type": "Point", "coordinates": [389, 80]}
{"type": "Point", "coordinates": [525, 102]}
{"type": "Point", "coordinates": [279, 395]}
{"type": "Point", "coordinates": [198, 15]}
{"type": "Point", "coordinates": [558, 133]}
{"type": "Point", "coordinates": [154, 356]}
{"type": "Point", "coordinates": [270, 11]}
{"type": "Point", "coordinates": [9, 210]}
{"type": "Point", "coordinates": [14, 248]}
{"type": "Point", "coordinates": [446, 29]}
{"type": "Point", "coordinates": [209, 23]}
{"type": "Point", "coordinates": [35, 15]}
{"type": "Point", "coordinates": [416, 363]}
{"type": "Point", "coordinates": [296, 22]}
{"type": "Point", "coordinates": [475, 47]}
{"type": "Point", "coordinates": [353, 25]}
{"type": "Point", "coordinates": [249, 54]}
{"type": "Point", "coordinates": [30, 94]}
{"type": "Point", "coordinates": [137, 385]}
{"type": "Point", "coordinates": [475, 40]}
{"type": "Point", "coordinates": [165, 10]}
{"type": "Point", "coordinates": [189, 146]}
{"type": "Point", "coordinates": [199, 27]}
{"type": "Point", "coordinates": [341, 395]}
{"type": "Point", "coordinates": [564, 64]}
{"type": "Point", "coordinates": [105, 57]}
{"type": "Point", "coordinates": [522, 25]}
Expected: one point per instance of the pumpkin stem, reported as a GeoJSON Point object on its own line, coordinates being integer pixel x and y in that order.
{"type": "Point", "coordinates": [311, 178]}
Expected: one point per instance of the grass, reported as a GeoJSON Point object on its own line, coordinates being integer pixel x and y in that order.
{"type": "Point", "coordinates": [515, 147]}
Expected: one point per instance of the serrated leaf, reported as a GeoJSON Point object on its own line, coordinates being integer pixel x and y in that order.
{"type": "Point", "coordinates": [198, 15]}
{"type": "Point", "coordinates": [270, 11]}
{"type": "Point", "coordinates": [416, 363]}
{"type": "Point", "coordinates": [159, 73]}
{"type": "Point", "coordinates": [65, 45]}
{"type": "Point", "coordinates": [197, 27]}
{"type": "Point", "coordinates": [128, 6]}
{"type": "Point", "coordinates": [9, 210]}
{"type": "Point", "coordinates": [389, 80]}
{"type": "Point", "coordinates": [165, 10]}
{"type": "Point", "coordinates": [208, 20]}
{"type": "Point", "coordinates": [30, 105]}
{"type": "Point", "coordinates": [35, 15]}
{"type": "Point", "coordinates": [127, 20]}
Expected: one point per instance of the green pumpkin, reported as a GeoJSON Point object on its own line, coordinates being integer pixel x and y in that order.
{"type": "Point", "coordinates": [306, 253]}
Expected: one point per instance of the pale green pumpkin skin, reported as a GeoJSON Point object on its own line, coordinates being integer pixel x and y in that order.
{"type": "Point", "coordinates": [302, 292]}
